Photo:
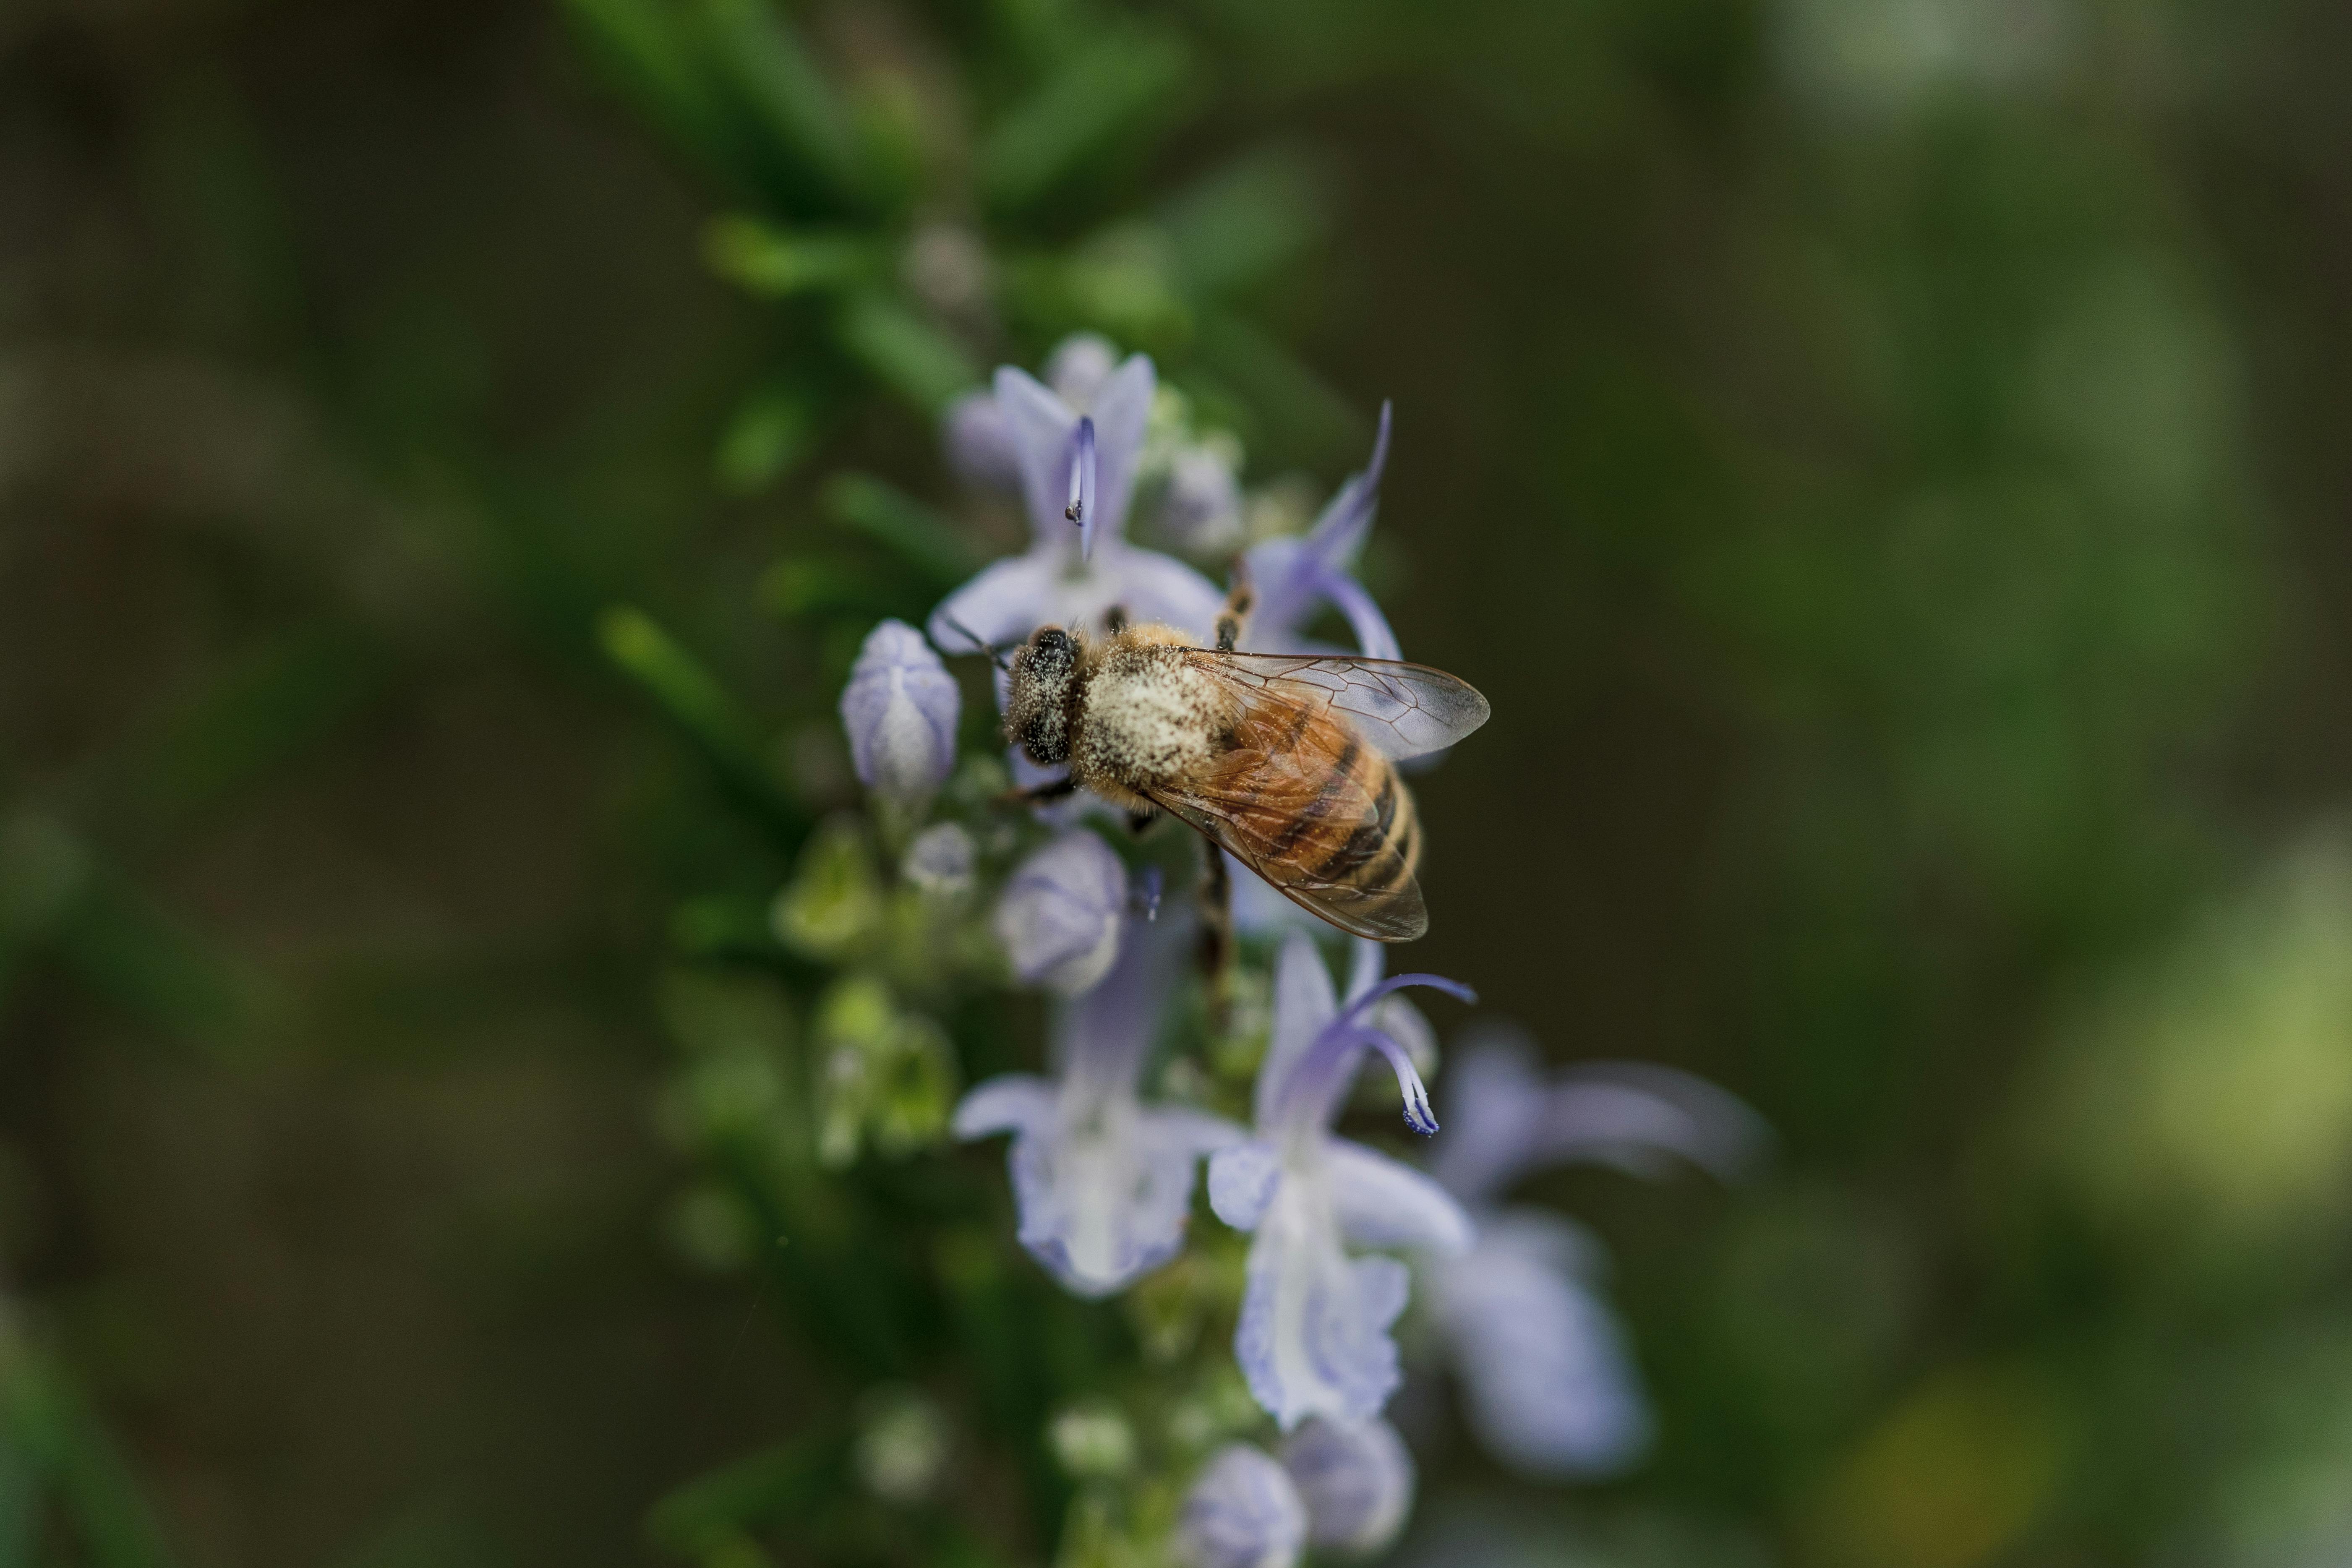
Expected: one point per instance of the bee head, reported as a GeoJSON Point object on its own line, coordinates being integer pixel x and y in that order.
{"type": "Point", "coordinates": [1037, 706]}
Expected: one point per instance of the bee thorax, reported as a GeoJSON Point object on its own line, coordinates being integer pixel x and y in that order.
{"type": "Point", "coordinates": [1149, 718]}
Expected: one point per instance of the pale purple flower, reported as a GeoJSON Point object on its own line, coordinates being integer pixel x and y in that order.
{"type": "Point", "coordinates": [1075, 571]}
{"type": "Point", "coordinates": [1314, 1333]}
{"type": "Point", "coordinates": [1201, 507]}
{"type": "Point", "coordinates": [1060, 914]}
{"type": "Point", "coordinates": [900, 710]}
{"type": "Point", "coordinates": [1242, 1512]}
{"type": "Point", "coordinates": [1104, 1182]}
{"type": "Point", "coordinates": [979, 441]}
{"type": "Point", "coordinates": [1295, 577]}
{"type": "Point", "coordinates": [1549, 1386]}
{"type": "Point", "coordinates": [1079, 367]}
{"type": "Point", "coordinates": [1356, 1481]}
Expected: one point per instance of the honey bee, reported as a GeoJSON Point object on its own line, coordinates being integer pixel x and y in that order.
{"type": "Point", "coordinates": [1283, 761]}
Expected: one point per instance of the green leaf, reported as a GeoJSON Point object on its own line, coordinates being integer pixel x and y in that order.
{"type": "Point", "coordinates": [1247, 220]}
{"type": "Point", "coordinates": [800, 586]}
{"type": "Point", "coordinates": [772, 433]}
{"type": "Point", "coordinates": [651, 58]}
{"type": "Point", "coordinates": [706, 1515]}
{"type": "Point", "coordinates": [761, 55]}
{"type": "Point", "coordinates": [923, 364]}
{"type": "Point", "coordinates": [707, 715]}
{"type": "Point", "coordinates": [123, 947]}
{"type": "Point", "coordinates": [910, 531]}
{"type": "Point", "coordinates": [1104, 97]}
{"type": "Point", "coordinates": [775, 263]}
{"type": "Point", "coordinates": [48, 1424]}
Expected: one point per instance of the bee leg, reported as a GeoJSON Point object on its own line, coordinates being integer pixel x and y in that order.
{"type": "Point", "coordinates": [1217, 938]}
{"type": "Point", "coordinates": [1038, 794]}
{"type": "Point", "coordinates": [1115, 619]}
{"type": "Point", "coordinates": [1234, 616]}
{"type": "Point", "coordinates": [1139, 823]}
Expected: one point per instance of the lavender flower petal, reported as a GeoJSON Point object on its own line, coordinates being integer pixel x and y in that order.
{"type": "Point", "coordinates": [1060, 915]}
{"type": "Point", "coordinates": [1356, 1481]}
{"type": "Point", "coordinates": [900, 710]}
{"type": "Point", "coordinates": [1242, 1512]}
{"type": "Point", "coordinates": [1010, 1103]}
{"type": "Point", "coordinates": [1104, 1199]}
{"type": "Point", "coordinates": [1638, 1118]}
{"type": "Point", "coordinates": [1314, 1333]}
{"type": "Point", "coordinates": [979, 441]}
{"type": "Point", "coordinates": [1201, 508]}
{"type": "Point", "coordinates": [1295, 576]}
{"type": "Point", "coordinates": [1241, 1180]}
{"type": "Point", "coordinates": [1078, 366]}
{"type": "Point", "coordinates": [1041, 424]}
{"type": "Point", "coordinates": [1382, 1202]}
{"type": "Point", "coordinates": [1104, 1183]}
{"type": "Point", "coordinates": [1550, 1389]}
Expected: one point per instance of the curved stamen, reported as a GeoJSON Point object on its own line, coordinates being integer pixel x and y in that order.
{"type": "Point", "coordinates": [1081, 508]}
{"type": "Point", "coordinates": [1322, 1072]}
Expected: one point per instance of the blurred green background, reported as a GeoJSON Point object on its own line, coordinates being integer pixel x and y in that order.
{"type": "Point", "coordinates": [1883, 458]}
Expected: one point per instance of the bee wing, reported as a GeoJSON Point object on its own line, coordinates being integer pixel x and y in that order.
{"type": "Point", "coordinates": [1402, 709]}
{"type": "Point", "coordinates": [1293, 800]}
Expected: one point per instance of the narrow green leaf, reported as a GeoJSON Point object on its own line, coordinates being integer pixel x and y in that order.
{"type": "Point", "coordinates": [1107, 95]}
{"type": "Point", "coordinates": [899, 522]}
{"type": "Point", "coordinates": [129, 951]}
{"type": "Point", "coordinates": [20, 1504]}
{"type": "Point", "coordinates": [772, 433]}
{"type": "Point", "coordinates": [780, 1483]}
{"type": "Point", "coordinates": [695, 702]}
{"type": "Point", "coordinates": [1247, 220]}
{"type": "Point", "coordinates": [775, 263]}
{"type": "Point", "coordinates": [800, 586]}
{"type": "Point", "coordinates": [761, 54]}
{"type": "Point", "coordinates": [651, 59]}
{"type": "Point", "coordinates": [914, 359]}
{"type": "Point", "coordinates": [50, 1425]}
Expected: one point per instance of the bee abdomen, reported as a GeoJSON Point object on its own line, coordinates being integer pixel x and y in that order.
{"type": "Point", "coordinates": [1377, 855]}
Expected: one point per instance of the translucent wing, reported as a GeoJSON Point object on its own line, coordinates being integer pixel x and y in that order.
{"type": "Point", "coordinates": [1298, 798]}
{"type": "Point", "coordinates": [1402, 709]}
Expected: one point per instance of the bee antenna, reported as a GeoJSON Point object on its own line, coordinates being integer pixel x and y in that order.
{"type": "Point", "coordinates": [995, 654]}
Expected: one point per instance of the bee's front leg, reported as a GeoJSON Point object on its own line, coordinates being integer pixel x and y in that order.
{"type": "Point", "coordinates": [1115, 619]}
{"type": "Point", "coordinates": [1038, 794]}
{"type": "Point", "coordinates": [1233, 619]}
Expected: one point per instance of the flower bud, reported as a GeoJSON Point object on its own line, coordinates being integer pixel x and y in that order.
{"type": "Point", "coordinates": [1093, 1440]}
{"type": "Point", "coordinates": [1243, 1512]}
{"type": "Point", "coordinates": [901, 1446]}
{"type": "Point", "coordinates": [900, 710]}
{"type": "Point", "coordinates": [1079, 365]}
{"type": "Point", "coordinates": [1356, 1481]}
{"type": "Point", "coordinates": [980, 443]}
{"type": "Point", "coordinates": [940, 862]}
{"type": "Point", "coordinates": [1201, 508]}
{"type": "Point", "coordinates": [1060, 916]}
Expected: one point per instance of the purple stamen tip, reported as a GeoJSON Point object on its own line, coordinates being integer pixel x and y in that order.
{"type": "Point", "coordinates": [1147, 894]}
{"type": "Point", "coordinates": [1081, 508]}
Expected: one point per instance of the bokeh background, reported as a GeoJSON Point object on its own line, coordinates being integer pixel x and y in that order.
{"type": "Point", "coordinates": [1884, 458]}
